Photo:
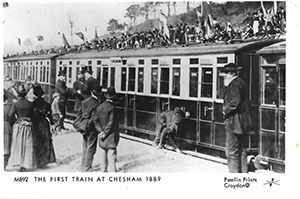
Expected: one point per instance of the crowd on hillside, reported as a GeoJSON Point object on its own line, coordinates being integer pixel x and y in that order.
{"type": "Point", "coordinates": [260, 24]}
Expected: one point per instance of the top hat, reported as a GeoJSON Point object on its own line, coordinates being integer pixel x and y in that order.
{"type": "Point", "coordinates": [87, 69]}
{"type": "Point", "coordinates": [231, 67]}
{"type": "Point", "coordinates": [21, 89]}
{"type": "Point", "coordinates": [38, 91]}
{"type": "Point", "coordinates": [110, 93]}
{"type": "Point", "coordinates": [62, 73]}
{"type": "Point", "coordinates": [96, 89]}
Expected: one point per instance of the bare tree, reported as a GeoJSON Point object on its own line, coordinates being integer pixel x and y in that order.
{"type": "Point", "coordinates": [187, 6]}
{"type": "Point", "coordinates": [71, 20]}
{"type": "Point", "coordinates": [169, 8]}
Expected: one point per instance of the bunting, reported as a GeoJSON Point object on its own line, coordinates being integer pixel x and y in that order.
{"type": "Point", "coordinates": [19, 41]}
{"type": "Point", "coordinates": [96, 34]}
{"type": "Point", "coordinates": [66, 43]}
{"type": "Point", "coordinates": [163, 20]}
{"type": "Point", "coordinates": [40, 37]}
{"type": "Point", "coordinates": [80, 35]}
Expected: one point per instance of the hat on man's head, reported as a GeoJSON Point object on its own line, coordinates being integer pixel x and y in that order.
{"type": "Point", "coordinates": [230, 68]}
{"type": "Point", "coordinates": [62, 73]}
{"type": "Point", "coordinates": [38, 91]}
{"type": "Point", "coordinates": [110, 93]}
{"type": "Point", "coordinates": [97, 89]}
{"type": "Point", "coordinates": [87, 69]}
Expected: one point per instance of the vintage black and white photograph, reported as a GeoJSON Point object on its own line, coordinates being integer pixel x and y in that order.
{"type": "Point", "coordinates": [121, 88]}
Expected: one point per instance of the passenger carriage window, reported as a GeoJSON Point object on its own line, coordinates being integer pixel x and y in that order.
{"type": "Point", "coordinates": [282, 85]}
{"type": "Point", "coordinates": [48, 62]}
{"type": "Point", "coordinates": [89, 62]}
{"type": "Point", "coordinates": [60, 62]}
{"type": "Point", "coordinates": [154, 80]}
{"type": "Point", "coordinates": [47, 75]}
{"type": "Point", "coordinates": [70, 75]}
{"type": "Point", "coordinates": [98, 62]}
{"type": "Point", "coordinates": [141, 80]}
{"type": "Point", "coordinates": [193, 82]}
{"type": "Point", "coordinates": [194, 61]}
{"type": "Point", "coordinates": [77, 62]}
{"type": "Point", "coordinates": [206, 82]}
{"type": "Point", "coordinates": [112, 77]}
{"type": "Point", "coordinates": [131, 79]}
{"type": "Point", "coordinates": [164, 81]}
{"type": "Point", "coordinates": [222, 60]}
{"type": "Point", "coordinates": [176, 61]}
{"type": "Point", "coordinates": [105, 77]}
{"type": "Point", "coordinates": [98, 73]}
{"type": "Point", "coordinates": [270, 85]}
{"type": "Point", "coordinates": [44, 74]}
{"type": "Point", "coordinates": [123, 79]}
{"type": "Point", "coordinates": [154, 61]}
{"type": "Point", "coordinates": [176, 82]}
{"type": "Point", "coordinates": [41, 74]}
{"type": "Point", "coordinates": [220, 84]}
{"type": "Point", "coordinates": [141, 62]}
{"type": "Point", "coordinates": [37, 63]}
{"type": "Point", "coordinates": [70, 62]}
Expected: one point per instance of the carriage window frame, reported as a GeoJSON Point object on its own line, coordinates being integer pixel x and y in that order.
{"type": "Point", "coordinates": [194, 83]}
{"type": "Point", "coordinates": [164, 81]}
{"type": "Point", "coordinates": [98, 74]}
{"type": "Point", "coordinates": [131, 79]}
{"type": "Point", "coordinates": [154, 80]}
{"type": "Point", "coordinates": [141, 79]}
{"type": "Point", "coordinates": [176, 80]}
{"type": "Point", "coordinates": [112, 76]}
{"type": "Point", "coordinates": [202, 83]}
{"type": "Point", "coordinates": [105, 75]}
{"type": "Point", "coordinates": [264, 68]}
{"type": "Point", "coordinates": [123, 78]}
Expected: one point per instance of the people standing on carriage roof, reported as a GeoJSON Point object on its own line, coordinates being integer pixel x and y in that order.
{"type": "Point", "coordinates": [63, 91]}
{"type": "Point", "coordinates": [42, 119]}
{"type": "Point", "coordinates": [22, 146]}
{"type": "Point", "coordinates": [238, 124]}
{"type": "Point", "coordinates": [90, 81]}
{"type": "Point", "coordinates": [106, 123]}
{"type": "Point", "coordinates": [90, 135]}
{"type": "Point", "coordinates": [7, 125]}
{"type": "Point", "coordinates": [78, 85]}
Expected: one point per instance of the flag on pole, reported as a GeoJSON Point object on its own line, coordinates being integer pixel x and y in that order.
{"type": "Point", "coordinates": [125, 28]}
{"type": "Point", "coordinates": [80, 35]}
{"type": "Point", "coordinates": [40, 37]}
{"type": "Point", "coordinates": [275, 7]}
{"type": "Point", "coordinates": [19, 41]}
{"type": "Point", "coordinates": [66, 43]}
{"type": "Point", "coordinates": [164, 21]}
{"type": "Point", "coordinates": [263, 8]}
{"type": "Point", "coordinates": [209, 24]}
{"type": "Point", "coordinates": [96, 34]}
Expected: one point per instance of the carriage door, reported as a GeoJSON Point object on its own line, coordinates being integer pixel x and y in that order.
{"type": "Point", "coordinates": [272, 111]}
{"type": "Point", "coordinates": [211, 124]}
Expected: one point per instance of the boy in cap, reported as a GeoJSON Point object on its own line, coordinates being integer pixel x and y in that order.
{"type": "Point", "coordinates": [237, 119]}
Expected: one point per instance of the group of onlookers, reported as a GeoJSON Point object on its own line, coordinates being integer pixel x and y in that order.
{"type": "Point", "coordinates": [27, 133]}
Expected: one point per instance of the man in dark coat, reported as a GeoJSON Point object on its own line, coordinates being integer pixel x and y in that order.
{"type": "Point", "coordinates": [86, 111]}
{"type": "Point", "coordinates": [238, 124]}
{"type": "Point", "coordinates": [106, 123]}
{"type": "Point", "coordinates": [62, 89]}
{"type": "Point", "coordinates": [90, 81]}
{"type": "Point", "coordinates": [77, 87]}
{"type": "Point", "coordinates": [169, 126]}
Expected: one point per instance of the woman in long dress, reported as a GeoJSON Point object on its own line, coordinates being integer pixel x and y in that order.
{"type": "Point", "coordinates": [22, 146]}
{"type": "Point", "coordinates": [7, 128]}
{"type": "Point", "coordinates": [42, 118]}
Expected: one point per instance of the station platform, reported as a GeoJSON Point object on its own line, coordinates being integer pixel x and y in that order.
{"type": "Point", "coordinates": [134, 155]}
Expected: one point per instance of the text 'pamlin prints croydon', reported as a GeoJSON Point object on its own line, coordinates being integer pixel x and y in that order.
{"type": "Point", "coordinates": [62, 179]}
{"type": "Point", "coordinates": [238, 182]}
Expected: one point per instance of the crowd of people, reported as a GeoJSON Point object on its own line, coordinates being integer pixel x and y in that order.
{"type": "Point", "coordinates": [260, 24]}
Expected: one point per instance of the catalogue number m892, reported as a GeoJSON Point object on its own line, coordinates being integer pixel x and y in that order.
{"type": "Point", "coordinates": [153, 178]}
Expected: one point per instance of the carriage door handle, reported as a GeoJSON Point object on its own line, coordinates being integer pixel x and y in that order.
{"type": "Point", "coordinates": [206, 108]}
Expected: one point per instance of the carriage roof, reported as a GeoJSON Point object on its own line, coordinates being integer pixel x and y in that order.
{"type": "Point", "coordinates": [31, 57]}
{"type": "Point", "coordinates": [171, 51]}
{"type": "Point", "coordinates": [277, 48]}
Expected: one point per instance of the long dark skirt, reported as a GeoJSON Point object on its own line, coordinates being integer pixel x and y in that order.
{"type": "Point", "coordinates": [44, 146]}
{"type": "Point", "coordinates": [22, 146]}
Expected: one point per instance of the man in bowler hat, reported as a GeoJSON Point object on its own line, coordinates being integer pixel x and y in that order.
{"type": "Point", "coordinates": [86, 111]}
{"type": "Point", "coordinates": [238, 124]}
{"type": "Point", "coordinates": [62, 89]}
{"type": "Point", "coordinates": [106, 123]}
{"type": "Point", "coordinates": [89, 82]}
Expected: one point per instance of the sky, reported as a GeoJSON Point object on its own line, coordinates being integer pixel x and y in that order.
{"type": "Point", "coordinates": [27, 20]}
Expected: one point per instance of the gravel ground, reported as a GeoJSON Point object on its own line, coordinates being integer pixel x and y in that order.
{"type": "Point", "coordinates": [132, 157]}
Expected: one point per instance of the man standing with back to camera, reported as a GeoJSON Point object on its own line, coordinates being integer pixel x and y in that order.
{"type": "Point", "coordinates": [238, 124]}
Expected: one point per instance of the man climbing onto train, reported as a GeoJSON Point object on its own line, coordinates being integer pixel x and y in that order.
{"type": "Point", "coordinates": [170, 121]}
{"type": "Point", "coordinates": [238, 124]}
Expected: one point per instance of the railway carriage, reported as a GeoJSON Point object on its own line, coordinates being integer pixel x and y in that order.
{"type": "Point", "coordinates": [41, 69]}
{"type": "Point", "coordinates": [149, 81]}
